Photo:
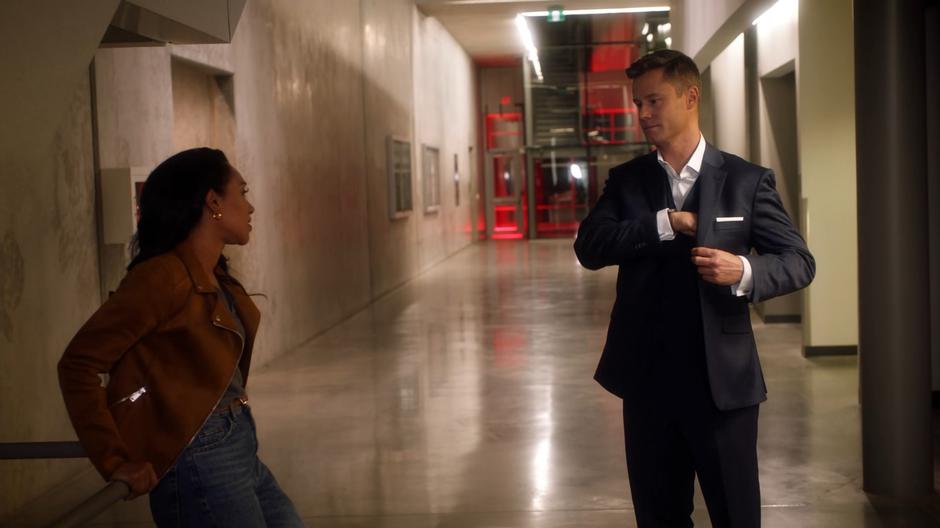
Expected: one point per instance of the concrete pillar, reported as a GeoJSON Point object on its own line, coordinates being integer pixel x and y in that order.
{"type": "Point", "coordinates": [894, 330]}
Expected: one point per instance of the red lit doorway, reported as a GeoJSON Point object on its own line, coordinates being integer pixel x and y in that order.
{"type": "Point", "coordinates": [505, 195]}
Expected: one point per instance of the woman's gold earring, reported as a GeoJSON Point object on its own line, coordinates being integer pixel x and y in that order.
{"type": "Point", "coordinates": [217, 216]}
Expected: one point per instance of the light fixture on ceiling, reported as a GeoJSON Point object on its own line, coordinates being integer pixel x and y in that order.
{"type": "Point", "coordinates": [611, 11]}
{"type": "Point", "coordinates": [780, 9]}
{"type": "Point", "coordinates": [575, 170]}
{"type": "Point", "coordinates": [532, 53]}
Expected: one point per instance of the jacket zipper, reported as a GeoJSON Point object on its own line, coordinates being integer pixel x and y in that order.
{"type": "Point", "coordinates": [219, 400]}
{"type": "Point", "coordinates": [132, 397]}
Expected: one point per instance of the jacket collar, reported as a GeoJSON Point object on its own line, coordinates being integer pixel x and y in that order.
{"type": "Point", "coordinates": [711, 181]}
{"type": "Point", "coordinates": [695, 161]}
{"type": "Point", "coordinates": [202, 283]}
{"type": "Point", "coordinates": [220, 315]}
{"type": "Point", "coordinates": [713, 156]}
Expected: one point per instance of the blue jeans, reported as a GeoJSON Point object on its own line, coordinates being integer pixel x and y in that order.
{"type": "Point", "coordinates": [219, 481]}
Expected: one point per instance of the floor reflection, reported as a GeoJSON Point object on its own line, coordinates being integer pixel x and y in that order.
{"type": "Point", "coordinates": [465, 399]}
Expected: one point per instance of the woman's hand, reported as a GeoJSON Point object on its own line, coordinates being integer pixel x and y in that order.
{"type": "Point", "coordinates": [138, 475]}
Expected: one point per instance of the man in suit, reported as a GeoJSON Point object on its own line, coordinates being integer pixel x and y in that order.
{"type": "Point", "coordinates": [681, 223]}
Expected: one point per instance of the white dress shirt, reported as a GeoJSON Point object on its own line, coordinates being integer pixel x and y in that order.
{"type": "Point", "coordinates": [681, 183]}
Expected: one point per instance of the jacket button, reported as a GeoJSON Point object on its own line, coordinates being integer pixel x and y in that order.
{"type": "Point", "coordinates": [218, 318]}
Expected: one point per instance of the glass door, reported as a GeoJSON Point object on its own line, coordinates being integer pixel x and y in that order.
{"type": "Point", "coordinates": [581, 120]}
{"type": "Point", "coordinates": [505, 195]}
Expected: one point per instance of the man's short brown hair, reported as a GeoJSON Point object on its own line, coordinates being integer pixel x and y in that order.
{"type": "Point", "coordinates": [678, 68]}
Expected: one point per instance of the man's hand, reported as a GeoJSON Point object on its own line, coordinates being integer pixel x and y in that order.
{"type": "Point", "coordinates": [683, 222]}
{"type": "Point", "coordinates": [717, 266]}
{"type": "Point", "coordinates": [138, 475]}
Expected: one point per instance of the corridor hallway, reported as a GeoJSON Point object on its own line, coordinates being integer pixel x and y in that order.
{"type": "Point", "coordinates": [465, 399]}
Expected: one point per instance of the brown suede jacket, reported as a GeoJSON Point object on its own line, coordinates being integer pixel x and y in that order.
{"type": "Point", "coordinates": [169, 347]}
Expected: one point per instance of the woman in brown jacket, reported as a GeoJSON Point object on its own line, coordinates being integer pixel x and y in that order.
{"type": "Point", "coordinates": [154, 382]}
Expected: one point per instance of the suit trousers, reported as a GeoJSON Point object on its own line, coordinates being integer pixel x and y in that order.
{"type": "Point", "coordinates": [673, 432]}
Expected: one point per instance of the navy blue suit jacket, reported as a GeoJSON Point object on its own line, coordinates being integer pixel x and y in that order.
{"type": "Point", "coordinates": [621, 230]}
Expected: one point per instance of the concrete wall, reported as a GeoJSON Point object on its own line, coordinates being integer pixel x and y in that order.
{"type": "Point", "coordinates": [702, 29]}
{"type": "Point", "coordinates": [388, 94]}
{"type": "Point", "coordinates": [299, 117]}
{"type": "Point", "coordinates": [48, 286]}
{"type": "Point", "coordinates": [777, 38]}
{"type": "Point", "coordinates": [725, 114]}
{"type": "Point", "coordinates": [694, 22]}
{"type": "Point", "coordinates": [446, 117]}
{"type": "Point", "coordinates": [203, 108]}
{"type": "Point", "coordinates": [499, 82]}
{"type": "Point", "coordinates": [814, 41]}
{"type": "Point", "coordinates": [825, 76]}
{"type": "Point", "coordinates": [309, 92]}
{"type": "Point", "coordinates": [729, 99]}
{"type": "Point", "coordinates": [134, 112]}
{"type": "Point", "coordinates": [777, 128]}
{"type": "Point", "coordinates": [48, 257]}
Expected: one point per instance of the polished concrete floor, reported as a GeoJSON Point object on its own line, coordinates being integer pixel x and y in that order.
{"type": "Point", "coordinates": [465, 399]}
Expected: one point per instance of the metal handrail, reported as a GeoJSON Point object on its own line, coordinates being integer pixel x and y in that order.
{"type": "Point", "coordinates": [87, 509]}
{"type": "Point", "coordinates": [94, 505]}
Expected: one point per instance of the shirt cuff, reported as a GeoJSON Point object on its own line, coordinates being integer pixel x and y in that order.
{"type": "Point", "coordinates": [747, 280]}
{"type": "Point", "coordinates": [664, 226]}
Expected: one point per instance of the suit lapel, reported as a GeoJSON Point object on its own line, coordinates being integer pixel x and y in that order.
{"type": "Point", "coordinates": [710, 181]}
{"type": "Point", "coordinates": [656, 186]}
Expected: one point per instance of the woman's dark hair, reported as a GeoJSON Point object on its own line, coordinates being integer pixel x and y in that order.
{"type": "Point", "coordinates": [173, 199]}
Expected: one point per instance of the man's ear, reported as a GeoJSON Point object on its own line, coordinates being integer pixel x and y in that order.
{"type": "Point", "coordinates": [692, 95]}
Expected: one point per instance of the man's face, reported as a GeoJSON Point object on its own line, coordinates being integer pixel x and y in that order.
{"type": "Point", "coordinates": [664, 114]}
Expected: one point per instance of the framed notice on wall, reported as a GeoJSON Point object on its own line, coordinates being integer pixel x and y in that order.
{"type": "Point", "coordinates": [431, 178]}
{"type": "Point", "coordinates": [398, 157]}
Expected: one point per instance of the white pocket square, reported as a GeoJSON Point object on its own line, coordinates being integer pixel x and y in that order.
{"type": "Point", "coordinates": [730, 219]}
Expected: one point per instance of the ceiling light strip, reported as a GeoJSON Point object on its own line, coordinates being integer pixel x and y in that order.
{"type": "Point", "coordinates": [612, 11]}
{"type": "Point", "coordinates": [532, 53]}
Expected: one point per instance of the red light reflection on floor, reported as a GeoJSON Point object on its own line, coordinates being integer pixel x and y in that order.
{"type": "Point", "coordinates": [508, 345]}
